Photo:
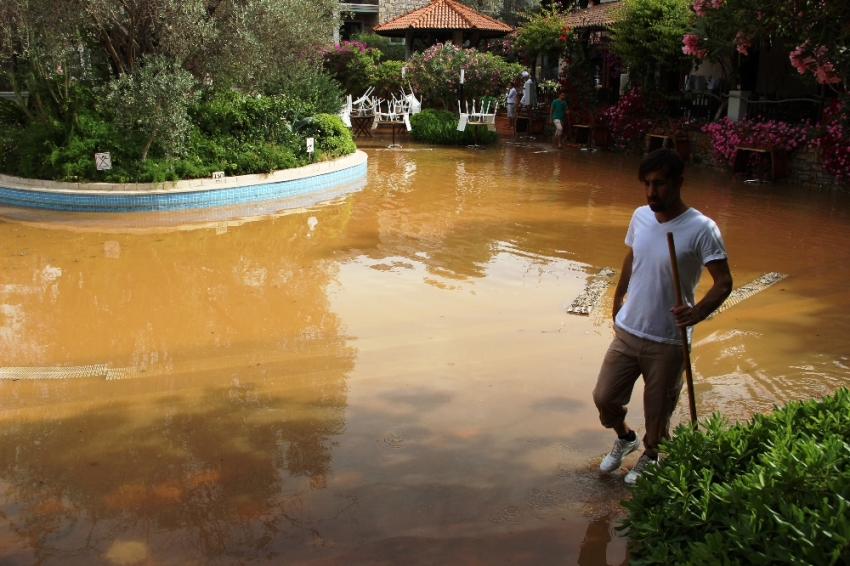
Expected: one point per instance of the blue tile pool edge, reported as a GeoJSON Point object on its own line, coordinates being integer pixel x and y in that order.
{"type": "Point", "coordinates": [342, 171]}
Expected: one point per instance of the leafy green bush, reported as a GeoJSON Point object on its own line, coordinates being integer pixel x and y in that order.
{"type": "Point", "coordinates": [333, 138]}
{"type": "Point", "coordinates": [773, 490]}
{"type": "Point", "coordinates": [388, 79]}
{"type": "Point", "coordinates": [229, 132]}
{"type": "Point", "coordinates": [389, 51]}
{"type": "Point", "coordinates": [648, 33]}
{"type": "Point", "coordinates": [317, 90]}
{"type": "Point", "coordinates": [440, 127]}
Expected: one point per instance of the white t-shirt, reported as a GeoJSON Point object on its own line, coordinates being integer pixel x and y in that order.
{"type": "Point", "coordinates": [512, 96]}
{"type": "Point", "coordinates": [646, 312]}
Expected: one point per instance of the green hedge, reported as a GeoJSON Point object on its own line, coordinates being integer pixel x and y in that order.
{"type": "Point", "coordinates": [230, 132]}
{"type": "Point", "coordinates": [773, 490]}
{"type": "Point", "coordinates": [440, 127]}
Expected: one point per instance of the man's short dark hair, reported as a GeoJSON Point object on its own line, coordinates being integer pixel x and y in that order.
{"type": "Point", "coordinates": [662, 159]}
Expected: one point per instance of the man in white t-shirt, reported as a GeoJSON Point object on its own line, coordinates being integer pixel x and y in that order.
{"type": "Point", "coordinates": [648, 340]}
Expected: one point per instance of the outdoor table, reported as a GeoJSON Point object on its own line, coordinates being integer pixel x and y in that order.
{"type": "Point", "coordinates": [394, 126]}
{"type": "Point", "coordinates": [776, 157]}
{"type": "Point", "coordinates": [583, 134]}
{"type": "Point", "coordinates": [477, 120]}
{"type": "Point", "coordinates": [361, 125]}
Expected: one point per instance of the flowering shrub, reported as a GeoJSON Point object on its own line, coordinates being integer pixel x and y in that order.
{"type": "Point", "coordinates": [632, 118]}
{"type": "Point", "coordinates": [832, 138]}
{"type": "Point", "coordinates": [817, 28]}
{"type": "Point", "coordinates": [809, 59]}
{"type": "Point", "coordinates": [726, 135]}
{"type": "Point", "coordinates": [353, 64]}
{"type": "Point", "coordinates": [435, 74]}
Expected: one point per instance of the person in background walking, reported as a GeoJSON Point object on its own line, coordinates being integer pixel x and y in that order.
{"type": "Point", "coordinates": [557, 115]}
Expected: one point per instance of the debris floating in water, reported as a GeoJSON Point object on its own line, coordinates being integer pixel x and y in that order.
{"type": "Point", "coordinates": [748, 290]}
{"type": "Point", "coordinates": [69, 372]}
{"type": "Point", "coordinates": [593, 291]}
{"type": "Point", "coordinates": [121, 373]}
{"type": "Point", "coordinates": [16, 373]}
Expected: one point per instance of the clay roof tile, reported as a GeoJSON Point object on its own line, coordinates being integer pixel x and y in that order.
{"type": "Point", "coordinates": [444, 15]}
{"type": "Point", "coordinates": [599, 17]}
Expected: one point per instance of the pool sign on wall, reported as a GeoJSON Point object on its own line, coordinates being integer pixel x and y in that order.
{"type": "Point", "coordinates": [103, 161]}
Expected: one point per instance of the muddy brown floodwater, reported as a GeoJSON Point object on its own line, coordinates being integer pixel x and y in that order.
{"type": "Point", "coordinates": [389, 378]}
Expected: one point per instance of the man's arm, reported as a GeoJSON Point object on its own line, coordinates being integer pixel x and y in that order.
{"type": "Point", "coordinates": [719, 270]}
{"type": "Point", "coordinates": [623, 283]}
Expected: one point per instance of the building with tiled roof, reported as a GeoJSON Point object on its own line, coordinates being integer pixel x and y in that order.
{"type": "Point", "coordinates": [441, 21]}
{"type": "Point", "coordinates": [594, 18]}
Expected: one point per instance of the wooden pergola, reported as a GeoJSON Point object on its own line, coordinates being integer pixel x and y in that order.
{"type": "Point", "coordinates": [440, 21]}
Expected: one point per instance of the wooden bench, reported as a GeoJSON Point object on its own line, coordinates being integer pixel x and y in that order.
{"type": "Point", "coordinates": [677, 141]}
{"type": "Point", "coordinates": [591, 131]}
{"type": "Point", "coordinates": [777, 159]}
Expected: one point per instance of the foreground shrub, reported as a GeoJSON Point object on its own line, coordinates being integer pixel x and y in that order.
{"type": "Point", "coordinates": [773, 490]}
{"type": "Point", "coordinates": [440, 127]}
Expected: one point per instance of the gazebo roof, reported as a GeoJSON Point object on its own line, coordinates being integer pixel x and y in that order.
{"type": "Point", "coordinates": [443, 15]}
{"type": "Point", "coordinates": [595, 17]}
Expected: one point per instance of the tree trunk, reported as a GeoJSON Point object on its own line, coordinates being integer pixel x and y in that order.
{"type": "Point", "coordinates": [148, 145]}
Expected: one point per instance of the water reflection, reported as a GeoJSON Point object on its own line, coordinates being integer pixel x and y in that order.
{"type": "Point", "coordinates": [223, 440]}
{"type": "Point", "coordinates": [594, 547]}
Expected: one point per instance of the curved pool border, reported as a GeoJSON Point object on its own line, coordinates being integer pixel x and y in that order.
{"type": "Point", "coordinates": [175, 195]}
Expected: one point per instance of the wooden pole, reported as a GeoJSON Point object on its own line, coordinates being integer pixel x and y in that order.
{"type": "Point", "coordinates": [689, 376]}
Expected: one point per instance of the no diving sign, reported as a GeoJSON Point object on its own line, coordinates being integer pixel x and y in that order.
{"type": "Point", "coordinates": [103, 161]}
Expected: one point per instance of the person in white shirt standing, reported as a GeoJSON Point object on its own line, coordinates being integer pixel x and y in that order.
{"type": "Point", "coordinates": [647, 325]}
{"type": "Point", "coordinates": [528, 94]}
{"type": "Point", "coordinates": [511, 102]}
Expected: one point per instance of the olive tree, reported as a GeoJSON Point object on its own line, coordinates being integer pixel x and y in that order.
{"type": "Point", "coordinates": [153, 99]}
{"type": "Point", "coordinates": [243, 43]}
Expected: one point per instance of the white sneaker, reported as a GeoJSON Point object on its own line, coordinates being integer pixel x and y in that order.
{"type": "Point", "coordinates": [634, 473]}
{"type": "Point", "coordinates": [621, 449]}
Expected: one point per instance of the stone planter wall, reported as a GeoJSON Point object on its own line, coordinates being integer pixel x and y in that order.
{"type": "Point", "coordinates": [193, 193]}
{"type": "Point", "coordinates": [803, 164]}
